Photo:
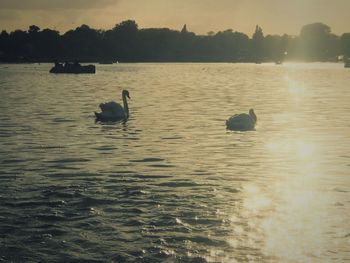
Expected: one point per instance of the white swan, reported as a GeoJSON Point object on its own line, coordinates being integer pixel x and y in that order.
{"type": "Point", "coordinates": [242, 122]}
{"type": "Point", "coordinates": [113, 111]}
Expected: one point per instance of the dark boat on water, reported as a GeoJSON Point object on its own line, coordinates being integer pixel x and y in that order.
{"type": "Point", "coordinates": [73, 68]}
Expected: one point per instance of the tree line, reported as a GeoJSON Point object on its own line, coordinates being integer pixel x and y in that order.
{"type": "Point", "coordinates": [127, 43]}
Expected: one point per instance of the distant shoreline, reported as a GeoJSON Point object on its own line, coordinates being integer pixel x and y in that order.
{"type": "Point", "coordinates": [170, 62]}
{"type": "Point", "coordinates": [127, 43]}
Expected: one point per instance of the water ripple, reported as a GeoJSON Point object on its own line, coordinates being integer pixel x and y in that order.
{"type": "Point", "coordinates": [171, 184]}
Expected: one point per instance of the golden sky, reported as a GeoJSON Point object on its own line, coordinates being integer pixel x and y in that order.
{"type": "Point", "coordinates": [201, 16]}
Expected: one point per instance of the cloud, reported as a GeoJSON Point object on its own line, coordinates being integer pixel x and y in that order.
{"type": "Point", "coordinates": [55, 4]}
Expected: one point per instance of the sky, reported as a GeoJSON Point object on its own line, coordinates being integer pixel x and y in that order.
{"type": "Point", "coordinates": [200, 16]}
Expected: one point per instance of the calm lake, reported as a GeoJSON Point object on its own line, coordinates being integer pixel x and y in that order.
{"type": "Point", "coordinates": [172, 184]}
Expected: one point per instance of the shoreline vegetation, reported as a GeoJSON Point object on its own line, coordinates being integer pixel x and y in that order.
{"type": "Point", "coordinates": [127, 43]}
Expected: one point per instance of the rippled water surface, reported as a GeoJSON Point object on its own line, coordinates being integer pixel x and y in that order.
{"type": "Point", "coordinates": [171, 184]}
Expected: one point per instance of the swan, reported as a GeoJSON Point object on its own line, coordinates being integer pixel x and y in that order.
{"type": "Point", "coordinates": [242, 122]}
{"type": "Point", "coordinates": [113, 111]}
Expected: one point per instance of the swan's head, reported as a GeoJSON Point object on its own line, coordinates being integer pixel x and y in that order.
{"type": "Point", "coordinates": [125, 93]}
{"type": "Point", "coordinates": [252, 114]}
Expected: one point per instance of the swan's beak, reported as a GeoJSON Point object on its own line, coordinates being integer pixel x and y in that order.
{"type": "Point", "coordinates": [129, 97]}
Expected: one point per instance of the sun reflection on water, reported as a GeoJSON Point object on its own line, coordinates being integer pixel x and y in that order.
{"type": "Point", "coordinates": [294, 227]}
{"type": "Point", "coordinates": [295, 88]}
{"type": "Point", "coordinates": [291, 212]}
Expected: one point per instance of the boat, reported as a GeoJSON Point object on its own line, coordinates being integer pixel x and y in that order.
{"type": "Point", "coordinates": [70, 68]}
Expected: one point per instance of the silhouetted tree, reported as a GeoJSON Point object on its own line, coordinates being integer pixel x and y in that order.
{"type": "Point", "coordinates": [125, 42]}
{"type": "Point", "coordinates": [124, 36]}
{"type": "Point", "coordinates": [50, 45]}
{"type": "Point", "coordinates": [158, 44]}
{"type": "Point", "coordinates": [33, 29]}
{"type": "Point", "coordinates": [275, 47]}
{"type": "Point", "coordinates": [257, 44]}
{"type": "Point", "coordinates": [228, 46]}
{"type": "Point", "coordinates": [4, 45]}
{"type": "Point", "coordinates": [345, 45]}
{"type": "Point", "coordinates": [82, 43]}
{"type": "Point", "coordinates": [19, 46]}
{"type": "Point", "coordinates": [318, 43]}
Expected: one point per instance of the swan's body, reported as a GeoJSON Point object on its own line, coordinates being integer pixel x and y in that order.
{"type": "Point", "coordinates": [242, 122]}
{"type": "Point", "coordinates": [113, 111]}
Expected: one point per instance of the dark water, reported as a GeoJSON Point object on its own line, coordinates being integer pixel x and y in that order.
{"type": "Point", "coordinates": [171, 184]}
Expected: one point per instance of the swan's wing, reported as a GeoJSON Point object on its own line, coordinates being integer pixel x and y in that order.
{"type": "Point", "coordinates": [111, 106]}
{"type": "Point", "coordinates": [236, 118]}
{"type": "Point", "coordinates": [240, 120]}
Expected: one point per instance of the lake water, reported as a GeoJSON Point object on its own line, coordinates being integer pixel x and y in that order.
{"type": "Point", "coordinates": [172, 184]}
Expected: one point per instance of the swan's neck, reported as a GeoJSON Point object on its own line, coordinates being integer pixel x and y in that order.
{"type": "Point", "coordinates": [126, 107]}
{"type": "Point", "coordinates": [252, 114]}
